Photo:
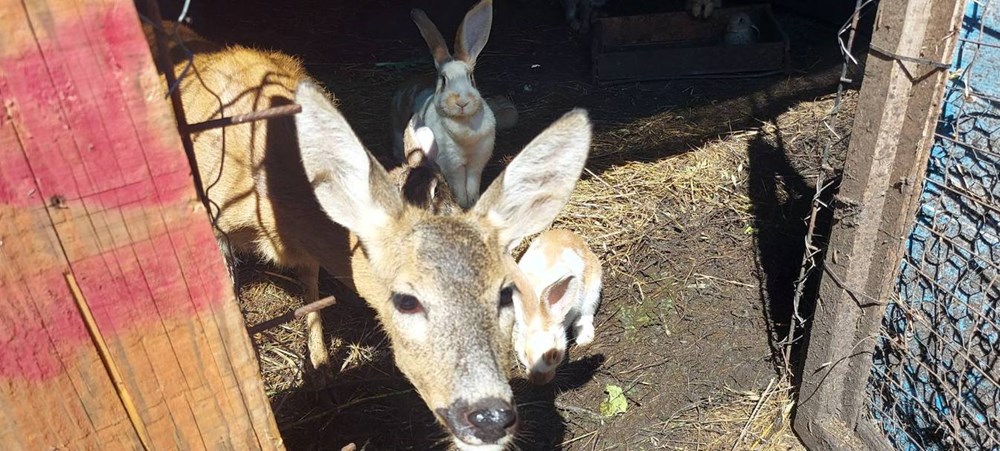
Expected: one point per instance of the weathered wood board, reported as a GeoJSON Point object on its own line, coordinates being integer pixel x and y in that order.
{"type": "Point", "coordinates": [893, 131]}
{"type": "Point", "coordinates": [95, 187]}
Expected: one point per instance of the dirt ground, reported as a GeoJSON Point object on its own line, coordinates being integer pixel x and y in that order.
{"type": "Point", "coordinates": [695, 198]}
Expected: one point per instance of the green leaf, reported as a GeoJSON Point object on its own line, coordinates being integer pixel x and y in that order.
{"type": "Point", "coordinates": [616, 402]}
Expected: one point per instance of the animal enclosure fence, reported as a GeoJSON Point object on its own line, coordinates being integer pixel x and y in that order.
{"type": "Point", "coordinates": [934, 380]}
{"type": "Point", "coordinates": [902, 352]}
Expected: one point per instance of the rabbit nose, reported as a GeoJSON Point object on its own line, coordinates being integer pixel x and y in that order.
{"type": "Point", "coordinates": [462, 103]}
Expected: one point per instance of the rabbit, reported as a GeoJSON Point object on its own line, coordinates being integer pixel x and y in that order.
{"type": "Point", "coordinates": [504, 112]}
{"type": "Point", "coordinates": [561, 287]}
{"type": "Point", "coordinates": [741, 30]}
{"type": "Point", "coordinates": [419, 178]}
{"type": "Point", "coordinates": [462, 122]}
{"type": "Point", "coordinates": [702, 9]}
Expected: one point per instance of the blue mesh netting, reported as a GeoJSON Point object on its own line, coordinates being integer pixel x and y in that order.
{"type": "Point", "coordinates": [934, 382]}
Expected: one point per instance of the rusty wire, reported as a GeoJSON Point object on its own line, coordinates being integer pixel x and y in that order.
{"type": "Point", "coordinates": [162, 56]}
{"type": "Point", "coordinates": [826, 180]}
{"type": "Point", "coordinates": [935, 381]}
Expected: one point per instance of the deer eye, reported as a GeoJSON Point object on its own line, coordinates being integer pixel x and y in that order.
{"type": "Point", "coordinates": [406, 303]}
{"type": "Point", "coordinates": [506, 297]}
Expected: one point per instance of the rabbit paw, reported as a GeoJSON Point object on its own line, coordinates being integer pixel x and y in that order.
{"type": "Point", "coordinates": [584, 333]}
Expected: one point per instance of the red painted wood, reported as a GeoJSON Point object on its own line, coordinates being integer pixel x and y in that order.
{"type": "Point", "coordinates": [93, 180]}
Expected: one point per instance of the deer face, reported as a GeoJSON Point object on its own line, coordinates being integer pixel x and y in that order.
{"type": "Point", "coordinates": [437, 280]}
{"type": "Point", "coordinates": [445, 300]}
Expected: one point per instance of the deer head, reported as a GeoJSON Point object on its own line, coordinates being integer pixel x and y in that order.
{"type": "Point", "coordinates": [439, 283]}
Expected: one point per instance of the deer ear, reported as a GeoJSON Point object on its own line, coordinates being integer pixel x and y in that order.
{"type": "Point", "coordinates": [353, 189]}
{"type": "Point", "coordinates": [530, 193]}
{"type": "Point", "coordinates": [556, 296]}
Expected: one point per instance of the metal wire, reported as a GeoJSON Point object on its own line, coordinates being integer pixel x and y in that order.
{"type": "Point", "coordinates": [826, 180]}
{"type": "Point", "coordinates": [212, 208]}
{"type": "Point", "coordinates": [934, 382]}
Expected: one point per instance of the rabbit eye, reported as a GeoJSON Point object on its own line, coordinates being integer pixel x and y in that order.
{"type": "Point", "coordinates": [473, 80]}
{"type": "Point", "coordinates": [444, 81]}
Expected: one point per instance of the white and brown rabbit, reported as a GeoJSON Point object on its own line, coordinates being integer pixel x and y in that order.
{"type": "Point", "coordinates": [463, 125]}
{"type": "Point", "coordinates": [561, 287]}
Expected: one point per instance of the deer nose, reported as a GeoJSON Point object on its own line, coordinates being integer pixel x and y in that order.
{"type": "Point", "coordinates": [491, 418]}
{"type": "Point", "coordinates": [488, 420]}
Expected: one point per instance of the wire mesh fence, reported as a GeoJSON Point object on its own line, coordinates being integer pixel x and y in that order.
{"type": "Point", "coordinates": [934, 381]}
{"type": "Point", "coordinates": [830, 135]}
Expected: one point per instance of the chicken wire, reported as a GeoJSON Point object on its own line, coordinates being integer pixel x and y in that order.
{"type": "Point", "coordinates": [934, 382]}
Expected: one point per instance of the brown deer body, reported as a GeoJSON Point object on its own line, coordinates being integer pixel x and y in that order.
{"type": "Point", "coordinates": [288, 190]}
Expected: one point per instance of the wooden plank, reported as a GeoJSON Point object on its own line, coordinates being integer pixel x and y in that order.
{"type": "Point", "coordinates": [46, 358]}
{"type": "Point", "coordinates": [897, 108]}
{"type": "Point", "coordinates": [237, 383]}
{"type": "Point", "coordinates": [113, 200]}
{"type": "Point", "coordinates": [662, 63]}
{"type": "Point", "coordinates": [680, 29]}
{"type": "Point", "coordinates": [40, 329]}
{"type": "Point", "coordinates": [670, 45]}
{"type": "Point", "coordinates": [833, 12]}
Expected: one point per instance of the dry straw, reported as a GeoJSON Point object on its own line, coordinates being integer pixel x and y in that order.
{"type": "Point", "coordinates": [619, 209]}
{"type": "Point", "coordinates": [758, 421]}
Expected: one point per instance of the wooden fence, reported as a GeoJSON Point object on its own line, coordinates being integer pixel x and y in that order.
{"type": "Point", "coordinates": [900, 100]}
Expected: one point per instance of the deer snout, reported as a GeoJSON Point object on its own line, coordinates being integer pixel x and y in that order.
{"type": "Point", "coordinates": [488, 420]}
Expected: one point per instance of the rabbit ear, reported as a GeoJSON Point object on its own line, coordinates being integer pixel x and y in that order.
{"type": "Point", "coordinates": [425, 137]}
{"type": "Point", "coordinates": [432, 36]}
{"type": "Point", "coordinates": [474, 32]}
{"type": "Point", "coordinates": [556, 296]}
{"type": "Point", "coordinates": [418, 142]}
{"type": "Point", "coordinates": [411, 146]}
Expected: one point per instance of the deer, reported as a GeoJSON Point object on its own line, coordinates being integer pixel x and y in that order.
{"type": "Point", "coordinates": [304, 193]}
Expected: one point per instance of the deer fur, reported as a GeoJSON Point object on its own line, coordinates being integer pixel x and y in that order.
{"type": "Point", "coordinates": [289, 189]}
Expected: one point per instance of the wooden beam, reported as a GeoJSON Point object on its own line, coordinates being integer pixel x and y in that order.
{"type": "Point", "coordinates": [94, 183]}
{"type": "Point", "coordinates": [890, 143]}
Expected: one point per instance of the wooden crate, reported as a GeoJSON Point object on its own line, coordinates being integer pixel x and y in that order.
{"type": "Point", "coordinates": [673, 45]}
{"type": "Point", "coordinates": [118, 328]}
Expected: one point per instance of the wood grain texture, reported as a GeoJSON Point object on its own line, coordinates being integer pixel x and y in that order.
{"type": "Point", "coordinates": [897, 108]}
{"type": "Point", "coordinates": [94, 182]}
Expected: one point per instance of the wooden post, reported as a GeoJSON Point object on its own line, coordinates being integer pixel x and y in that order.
{"type": "Point", "coordinates": [890, 143]}
{"type": "Point", "coordinates": [107, 263]}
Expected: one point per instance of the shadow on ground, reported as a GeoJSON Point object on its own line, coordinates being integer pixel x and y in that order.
{"type": "Point", "coordinates": [719, 300]}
